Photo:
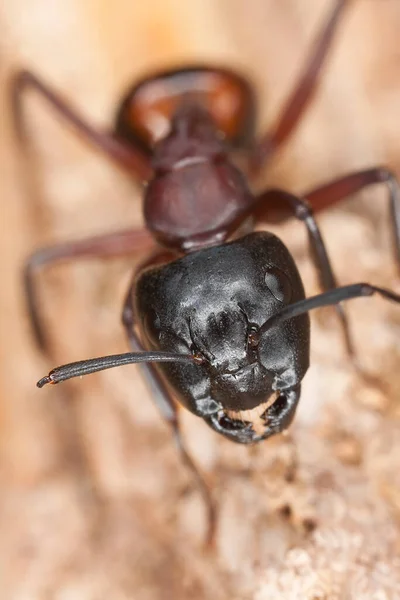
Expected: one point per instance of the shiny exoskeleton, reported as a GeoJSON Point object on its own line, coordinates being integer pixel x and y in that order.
{"type": "Point", "coordinates": [220, 309]}
{"type": "Point", "coordinates": [212, 303]}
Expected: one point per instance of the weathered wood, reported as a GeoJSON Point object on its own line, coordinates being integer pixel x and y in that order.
{"type": "Point", "coordinates": [94, 499]}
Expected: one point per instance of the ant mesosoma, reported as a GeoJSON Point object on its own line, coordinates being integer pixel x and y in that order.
{"type": "Point", "coordinates": [219, 308]}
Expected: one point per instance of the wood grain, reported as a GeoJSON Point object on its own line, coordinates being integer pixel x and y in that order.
{"type": "Point", "coordinates": [94, 501]}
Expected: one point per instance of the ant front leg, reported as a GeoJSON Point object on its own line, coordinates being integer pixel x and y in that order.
{"type": "Point", "coordinates": [127, 156]}
{"type": "Point", "coordinates": [302, 94]}
{"type": "Point", "coordinates": [167, 408]}
{"type": "Point", "coordinates": [113, 245]}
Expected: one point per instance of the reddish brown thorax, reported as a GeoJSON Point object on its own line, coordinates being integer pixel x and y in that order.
{"type": "Point", "coordinates": [189, 120]}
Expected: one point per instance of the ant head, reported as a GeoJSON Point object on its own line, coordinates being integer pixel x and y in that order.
{"type": "Point", "coordinates": [215, 303]}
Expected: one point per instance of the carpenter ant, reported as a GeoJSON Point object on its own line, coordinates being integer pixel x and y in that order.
{"type": "Point", "coordinates": [219, 308]}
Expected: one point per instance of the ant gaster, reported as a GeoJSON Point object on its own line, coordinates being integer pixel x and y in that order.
{"type": "Point", "coordinates": [219, 308]}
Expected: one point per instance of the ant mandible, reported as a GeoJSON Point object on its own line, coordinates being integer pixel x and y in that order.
{"type": "Point", "coordinates": [219, 308]}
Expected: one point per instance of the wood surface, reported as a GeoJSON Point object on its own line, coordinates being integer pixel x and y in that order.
{"type": "Point", "coordinates": [94, 502]}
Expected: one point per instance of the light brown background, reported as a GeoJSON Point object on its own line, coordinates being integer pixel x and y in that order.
{"type": "Point", "coordinates": [94, 501]}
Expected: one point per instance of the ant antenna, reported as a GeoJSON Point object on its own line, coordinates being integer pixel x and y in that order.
{"type": "Point", "coordinates": [92, 365]}
{"type": "Point", "coordinates": [346, 292]}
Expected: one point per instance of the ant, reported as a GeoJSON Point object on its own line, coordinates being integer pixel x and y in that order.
{"type": "Point", "coordinates": [219, 309]}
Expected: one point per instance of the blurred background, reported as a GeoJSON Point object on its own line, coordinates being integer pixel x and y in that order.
{"type": "Point", "coordinates": [94, 500]}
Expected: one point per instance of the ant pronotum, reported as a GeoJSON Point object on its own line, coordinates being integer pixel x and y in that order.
{"type": "Point", "coordinates": [220, 308]}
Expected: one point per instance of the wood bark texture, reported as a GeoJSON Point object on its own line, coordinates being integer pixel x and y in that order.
{"type": "Point", "coordinates": [94, 501]}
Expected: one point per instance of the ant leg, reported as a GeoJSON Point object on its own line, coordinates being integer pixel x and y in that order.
{"type": "Point", "coordinates": [104, 246]}
{"type": "Point", "coordinates": [339, 189]}
{"type": "Point", "coordinates": [168, 410]}
{"type": "Point", "coordinates": [303, 212]}
{"type": "Point", "coordinates": [128, 156]}
{"type": "Point", "coordinates": [302, 94]}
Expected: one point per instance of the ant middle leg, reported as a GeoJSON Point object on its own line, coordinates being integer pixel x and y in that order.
{"type": "Point", "coordinates": [128, 156]}
{"type": "Point", "coordinates": [168, 410]}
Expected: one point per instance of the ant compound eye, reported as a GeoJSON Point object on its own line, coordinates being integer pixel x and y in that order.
{"type": "Point", "coordinates": [278, 284]}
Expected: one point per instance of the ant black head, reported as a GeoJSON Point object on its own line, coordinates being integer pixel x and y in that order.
{"type": "Point", "coordinates": [216, 303]}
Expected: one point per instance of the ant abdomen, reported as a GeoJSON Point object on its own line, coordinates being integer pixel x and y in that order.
{"type": "Point", "coordinates": [147, 110]}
